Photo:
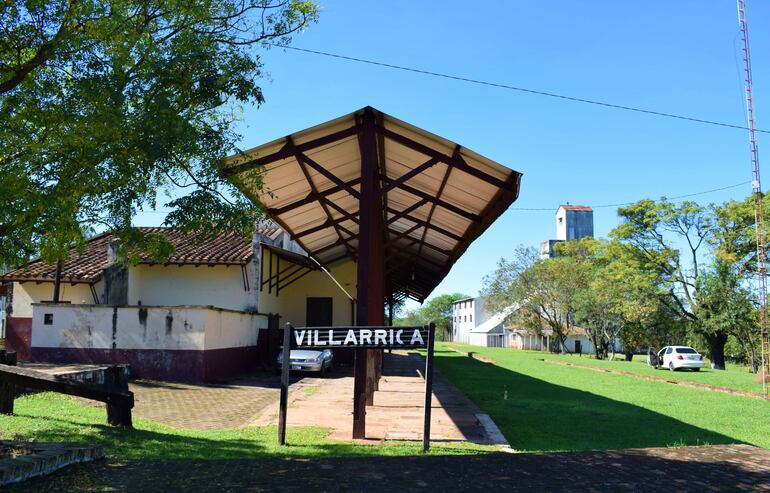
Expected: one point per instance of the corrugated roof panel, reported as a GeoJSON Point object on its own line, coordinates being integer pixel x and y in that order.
{"type": "Point", "coordinates": [476, 192]}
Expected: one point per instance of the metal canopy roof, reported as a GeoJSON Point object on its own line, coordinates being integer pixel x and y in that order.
{"type": "Point", "coordinates": [437, 196]}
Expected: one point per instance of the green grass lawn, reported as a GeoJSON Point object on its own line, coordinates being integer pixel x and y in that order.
{"type": "Point", "coordinates": [552, 407]}
{"type": "Point", "coordinates": [735, 377]}
{"type": "Point", "coordinates": [58, 418]}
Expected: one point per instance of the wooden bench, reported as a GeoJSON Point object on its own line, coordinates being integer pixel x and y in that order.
{"type": "Point", "coordinates": [113, 392]}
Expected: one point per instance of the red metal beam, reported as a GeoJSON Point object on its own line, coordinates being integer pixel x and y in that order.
{"type": "Point", "coordinates": [347, 215]}
{"type": "Point", "coordinates": [446, 205]}
{"type": "Point", "coordinates": [326, 173]}
{"type": "Point", "coordinates": [310, 198]}
{"type": "Point", "coordinates": [450, 160]}
{"type": "Point", "coordinates": [425, 224]}
{"type": "Point", "coordinates": [313, 189]}
{"type": "Point", "coordinates": [285, 153]}
{"type": "Point", "coordinates": [399, 214]}
{"type": "Point", "coordinates": [410, 174]}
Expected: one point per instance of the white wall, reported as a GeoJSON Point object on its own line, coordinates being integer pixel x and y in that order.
{"type": "Point", "coordinates": [561, 224]}
{"type": "Point", "coordinates": [24, 294]}
{"type": "Point", "coordinates": [291, 303]}
{"type": "Point", "coordinates": [467, 315]}
{"type": "Point", "coordinates": [463, 313]}
{"type": "Point", "coordinates": [225, 329]}
{"type": "Point", "coordinates": [175, 328]}
{"type": "Point", "coordinates": [220, 286]}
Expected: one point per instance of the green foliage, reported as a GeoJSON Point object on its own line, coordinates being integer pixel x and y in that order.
{"type": "Point", "coordinates": [437, 310]}
{"type": "Point", "coordinates": [107, 105]}
{"type": "Point", "coordinates": [734, 235]}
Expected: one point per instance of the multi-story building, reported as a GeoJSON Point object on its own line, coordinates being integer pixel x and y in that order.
{"type": "Point", "coordinates": [573, 222]}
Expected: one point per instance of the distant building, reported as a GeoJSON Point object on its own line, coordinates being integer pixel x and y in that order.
{"type": "Point", "coordinates": [573, 222]}
{"type": "Point", "coordinates": [472, 324]}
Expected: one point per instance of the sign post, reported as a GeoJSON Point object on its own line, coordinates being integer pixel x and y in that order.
{"type": "Point", "coordinates": [359, 338]}
{"type": "Point", "coordinates": [428, 388]}
{"type": "Point", "coordinates": [284, 383]}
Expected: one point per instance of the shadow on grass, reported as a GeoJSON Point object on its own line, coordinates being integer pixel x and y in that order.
{"type": "Point", "coordinates": [542, 416]}
{"type": "Point", "coordinates": [151, 441]}
{"type": "Point", "coordinates": [688, 469]}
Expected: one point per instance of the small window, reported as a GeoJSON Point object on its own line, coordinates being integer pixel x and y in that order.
{"type": "Point", "coordinates": [470, 317]}
{"type": "Point", "coordinates": [48, 319]}
{"type": "Point", "coordinates": [669, 350]}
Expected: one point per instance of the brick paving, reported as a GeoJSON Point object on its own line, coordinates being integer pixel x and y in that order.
{"type": "Point", "coordinates": [397, 413]}
{"type": "Point", "coordinates": [204, 407]}
{"type": "Point", "coordinates": [727, 468]}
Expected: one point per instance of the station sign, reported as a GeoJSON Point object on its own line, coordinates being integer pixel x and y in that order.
{"type": "Point", "coordinates": [360, 337]}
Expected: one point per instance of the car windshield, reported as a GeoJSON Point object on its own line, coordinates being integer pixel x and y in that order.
{"type": "Point", "coordinates": [686, 350]}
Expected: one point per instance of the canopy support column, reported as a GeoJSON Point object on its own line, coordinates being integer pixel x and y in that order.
{"type": "Point", "coordinates": [370, 270]}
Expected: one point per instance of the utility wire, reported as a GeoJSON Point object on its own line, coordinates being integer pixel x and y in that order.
{"type": "Point", "coordinates": [629, 203]}
{"type": "Point", "coordinates": [515, 88]}
{"type": "Point", "coordinates": [594, 206]}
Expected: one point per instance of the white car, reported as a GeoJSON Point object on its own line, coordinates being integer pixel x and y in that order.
{"type": "Point", "coordinates": [309, 360]}
{"type": "Point", "coordinates": [676, 357]}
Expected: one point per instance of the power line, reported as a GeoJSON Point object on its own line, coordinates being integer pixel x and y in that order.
{"type": "Point", "coordinates": [603, 206]}
{"type": "Point", "coordinates": [515, 88]}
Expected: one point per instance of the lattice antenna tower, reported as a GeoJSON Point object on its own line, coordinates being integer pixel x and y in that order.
{"type": "Point", "coordinates": [756, 186]}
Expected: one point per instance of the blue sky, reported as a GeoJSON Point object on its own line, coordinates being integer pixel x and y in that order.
{"type": "Point", "coordinates": [678, 57]}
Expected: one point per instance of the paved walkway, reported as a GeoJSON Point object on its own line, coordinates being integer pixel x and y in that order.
{"type": "Point", "coordinates": [398, 408]}
{"type": "Point", "coordinates": [696, 469]}
{"type": "Point", "coordinates": [204, 407]}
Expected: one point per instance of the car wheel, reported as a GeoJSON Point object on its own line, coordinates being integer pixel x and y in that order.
{"type": "Point", "coordinates": [671, 367]}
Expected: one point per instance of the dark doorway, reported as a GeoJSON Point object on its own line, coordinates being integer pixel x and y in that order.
{"type": "Point", "coordinates": [578, 347]}
{"type": "Point", "coordinates": [319, 312]}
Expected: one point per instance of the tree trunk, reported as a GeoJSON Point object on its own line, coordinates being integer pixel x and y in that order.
{"type": "Point", "coordinates": [716, 344]}
{"type": "Point", "coordinates": [629, 355]}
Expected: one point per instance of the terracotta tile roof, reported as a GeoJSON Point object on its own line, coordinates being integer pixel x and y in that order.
{"type": "Point", "coordinates": [568, 207]}
{"type": "Point", "coordinates": [227, 249]}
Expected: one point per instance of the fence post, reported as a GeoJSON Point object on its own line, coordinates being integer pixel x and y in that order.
{"type": "Point", "coordinates": [428, 388]}
{"type": "Point", "coordinates": [7, 389]}
{"type": "Point", "coordinates": [284, 384]}
{"type": "Point", "coordinates": [118, 414]}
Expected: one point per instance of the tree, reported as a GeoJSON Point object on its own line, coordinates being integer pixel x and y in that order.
{"type": "Point", "coordinates": [634, 294]}
{"type": "Point", "coordinates": [734, 237]}
{"type": "Point", "coordinates": [593, 303]}
{"type": "Point", "coordinates": [105, 105]}
{"type": "Point", "coordinates": [726, 308]}
{"type": "Point", "coordinates": [437, 310]}
{"type": "Point", "coordinates": [653, 228]}
{"type": "Point", "coordinates": [544, 292]}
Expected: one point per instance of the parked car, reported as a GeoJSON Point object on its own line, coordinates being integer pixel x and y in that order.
{"type": "Point", "coordinates": [677, 357]}
{"type": "Point", "coordinates": [309, 360]}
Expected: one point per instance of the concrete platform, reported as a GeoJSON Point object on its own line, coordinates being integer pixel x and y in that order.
{"type": "Point", "coordinates": [397, 413]}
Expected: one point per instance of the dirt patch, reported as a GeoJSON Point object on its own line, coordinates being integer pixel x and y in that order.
{"type": "Point", "coordinates": [473, 355]}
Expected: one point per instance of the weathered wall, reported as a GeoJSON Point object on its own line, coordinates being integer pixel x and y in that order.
{"type": "Point", "coordinates": [18, 336]}
{"type": "Point", "coordinates": [99, 326]}
{"type": "Point", "coordinates": [115, 285]}
{"type": "Point", "coordinates": [170, 343]}
{"type": "Point", "coordinates": [220, 286]}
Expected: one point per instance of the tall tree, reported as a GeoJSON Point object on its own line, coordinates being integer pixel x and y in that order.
{"type": "Point", "coordinates": [725, 307]}
{"type": "Point", "coordinates": [655, 229]}
{"type": "Point", "coordinates": [105, 104]}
